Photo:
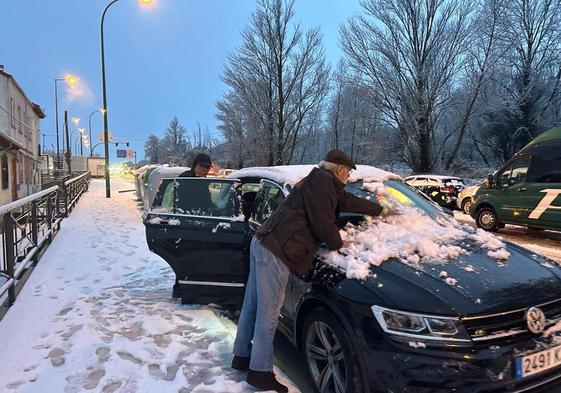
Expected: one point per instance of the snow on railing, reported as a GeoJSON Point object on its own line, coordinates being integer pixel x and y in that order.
{"type": "Point", "coordinates": [28, 225]}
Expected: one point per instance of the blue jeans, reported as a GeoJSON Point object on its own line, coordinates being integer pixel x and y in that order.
{"type": "Point", "coordinates": [264, 295]}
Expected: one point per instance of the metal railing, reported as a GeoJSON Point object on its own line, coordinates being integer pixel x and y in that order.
{"type": "Point", "coordinates": [28, 225]}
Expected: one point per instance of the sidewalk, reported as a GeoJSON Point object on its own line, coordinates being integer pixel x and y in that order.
{"type": "Point", "coordinates": [96, 315]}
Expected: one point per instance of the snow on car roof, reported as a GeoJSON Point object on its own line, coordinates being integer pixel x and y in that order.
{"type": "Point", "coordinates": [440, 177]}
{"type": "Point", "coordinates": [292, 174]}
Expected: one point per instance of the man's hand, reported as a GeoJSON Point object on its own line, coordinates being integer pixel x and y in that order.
{"type": "Point", "coordinates": [347, 243]}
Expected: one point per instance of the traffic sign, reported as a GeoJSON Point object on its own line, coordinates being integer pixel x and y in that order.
{"type": "Point", "coordinates": [121, 154]}
{"type": "Point", "coordinates": [103, 139]}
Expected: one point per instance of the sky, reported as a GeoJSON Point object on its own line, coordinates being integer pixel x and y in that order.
{"type": "Point", "coordinates": [162, 61]}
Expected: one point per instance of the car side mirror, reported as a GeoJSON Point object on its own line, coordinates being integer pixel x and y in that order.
{"type": "Point", "coordinates": [489, 180]}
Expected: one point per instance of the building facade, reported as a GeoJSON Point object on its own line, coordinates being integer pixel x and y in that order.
{"type": "Point", "coordinates": [19, 141]}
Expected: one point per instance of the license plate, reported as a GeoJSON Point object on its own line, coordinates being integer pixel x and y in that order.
{"type": "Point", "coordinates": [538, 362]}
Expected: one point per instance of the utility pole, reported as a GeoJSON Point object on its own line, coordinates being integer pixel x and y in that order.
{"type": "Point", "coordinates": [68, 154]}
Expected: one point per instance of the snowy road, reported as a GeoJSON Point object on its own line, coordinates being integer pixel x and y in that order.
{"type": "Point", "coordinates": [96, 315]}
{"type": "Point", "coordinates": [547, 243]}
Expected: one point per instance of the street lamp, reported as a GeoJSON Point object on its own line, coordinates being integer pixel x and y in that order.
{"type": "Point", "coordinates": [71, 80]}
{"type": "Point", "coordinates": [103, 85]}
{"type": "Point", "coordinates": [74, 120]}
{"type": "Point", "coordinates": [102, 111]}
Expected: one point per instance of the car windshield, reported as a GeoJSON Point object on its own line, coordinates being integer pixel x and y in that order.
{"type": "Point", "coordinates": [392, 192]}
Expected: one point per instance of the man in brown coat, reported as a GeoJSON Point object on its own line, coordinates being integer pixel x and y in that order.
{"type": "Point", "coordinates": [288, 241]}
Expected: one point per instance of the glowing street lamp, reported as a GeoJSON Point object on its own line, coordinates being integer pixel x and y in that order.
{"type": "Point", "coordinates": [70, 80]}
{"type": "Point", "coordinates": [104, 89]}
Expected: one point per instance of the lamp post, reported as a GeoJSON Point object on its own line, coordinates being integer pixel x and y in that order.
{"type": "Point", "coordinates": [81, 136]}
{"type": "Point", "coordinates": [68, 154]}
{"type": "Point", "coordinates": [102, 111]}
{"type": "Point", "coordinates": [104, 89]}
{"type": "Point", "coordinates": [71, 80]}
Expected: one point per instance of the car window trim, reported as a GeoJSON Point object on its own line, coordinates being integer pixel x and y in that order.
{"type": "Point", "coordinates": [233, 219]}
{"type": "Point", "coordinates": [210, 179]}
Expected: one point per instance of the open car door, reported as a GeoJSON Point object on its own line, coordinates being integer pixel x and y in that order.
{"type": "Point", "coordinates": [197, 227]}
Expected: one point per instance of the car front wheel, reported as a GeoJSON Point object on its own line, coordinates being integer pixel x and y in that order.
{"type": "Point", "coordinates": [466, 205]}
{"type": "Point", "coordinates": [330, 356]}
{"type": "Point", "coordinates": [486, 218]}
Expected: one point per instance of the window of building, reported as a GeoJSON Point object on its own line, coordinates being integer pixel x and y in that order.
{"type": "Point", "coordinates": [12, 113]}
{"type": "Point", "coordinates": [19, 120]}
{"type": "Point", "coordinates": [4, 170]}
{"type": "Point", "coordinates": [20, 168]}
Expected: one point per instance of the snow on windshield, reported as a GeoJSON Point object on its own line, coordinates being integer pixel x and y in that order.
{"type": "Point", "coordinates": [413, 237]}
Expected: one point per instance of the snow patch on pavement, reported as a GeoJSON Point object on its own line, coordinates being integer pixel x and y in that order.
{"type": "Point", "coordinates": [96, 314]}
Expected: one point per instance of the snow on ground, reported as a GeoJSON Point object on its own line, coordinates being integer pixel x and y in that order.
{"type": "Point", "coordinates": [96, 315]}
{"type": "Point", "coordinates": [546, 243]}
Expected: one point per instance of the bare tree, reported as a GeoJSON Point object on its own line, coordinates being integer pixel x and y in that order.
{"type": "Point", "coordinates": [279, 75]}
{"type": "Point", "coordinates": [410, 53]}
{"type": "Point", "coordinates": [483, 54]}
{"type": "Point", "coordinates": [174, 143]}
{"type": "Point", "coordinates": [152, 149]}
{"type": "Point", "coordinates": [533, 29]}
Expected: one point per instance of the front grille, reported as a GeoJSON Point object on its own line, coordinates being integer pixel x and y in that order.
{"type": "Point", "coordinates": [500, 328]}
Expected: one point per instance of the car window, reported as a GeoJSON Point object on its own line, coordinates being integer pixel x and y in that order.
{"type": "Point", "coordinates": [198, 197]}
{"type": "Point", "coordinates": [454, 182]}
{"type": "Point", "coordinates": [269, 198]}
{"type": "Point", "coordinates": [515, 173]}
{"type": "Point", "coordinates": [397, 192]}
{"type": "Point", "coordinates": [545, 169]}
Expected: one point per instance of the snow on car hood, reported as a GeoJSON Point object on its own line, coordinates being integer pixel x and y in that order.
{"type": "Point", "coordinates": [412, 237]}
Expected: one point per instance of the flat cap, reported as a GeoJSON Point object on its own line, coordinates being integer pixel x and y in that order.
{"type": "Point", "coordinates": [339, 157]}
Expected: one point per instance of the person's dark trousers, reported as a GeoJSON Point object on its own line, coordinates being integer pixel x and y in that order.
{"type": "Point", "coordinates": [176, 291]}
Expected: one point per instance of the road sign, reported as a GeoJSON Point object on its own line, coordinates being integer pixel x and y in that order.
{"type": "Point", "coordinates": [121, 154]}
{"type": "Point", "coordinates": [109, 135]}
{"type": "Point", "coordinates": [130, 153]}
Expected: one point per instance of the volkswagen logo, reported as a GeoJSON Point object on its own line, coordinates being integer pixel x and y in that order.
{"type": "Point", "coordinates": [535, 319]}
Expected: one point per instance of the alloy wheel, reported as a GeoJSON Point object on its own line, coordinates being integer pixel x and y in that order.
{"type": "Point", "coordinates": [326, 359]}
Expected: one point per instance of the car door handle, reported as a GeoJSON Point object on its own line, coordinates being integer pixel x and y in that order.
{"type": "Point", "coordinates": [521, 189]}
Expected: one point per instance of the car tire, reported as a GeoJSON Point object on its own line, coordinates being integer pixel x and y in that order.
{"type": "Point", "coordinates": [466, 204]}
{"type": "Point", "coordinates": [486, 218]}
{"type": "Point", "coordinates": [329, 354]}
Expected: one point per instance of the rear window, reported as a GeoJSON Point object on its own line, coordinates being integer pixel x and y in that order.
{"type": "Point", "coordinates": [198, 197]}
{"type": "Point", "coordinates": [454, 182]}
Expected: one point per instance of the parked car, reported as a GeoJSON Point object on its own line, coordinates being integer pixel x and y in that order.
{"type": "Point", "coordinates": [474, 325]}
{"type": "Point", "coordinates": [526, 190]}
{"type": "Point", "coordinates": [153, 180]}
{"type": "Point", "coordinates": [138, 180]}
{"type": "Point", "coordinates": [465, 198]}
{"type": "Point", "coordinates": [443, 190]}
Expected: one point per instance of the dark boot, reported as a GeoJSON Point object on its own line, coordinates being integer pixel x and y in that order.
{"type": "Point", "coordinates": [240, 363]}
{"type": "Point", "coordinates": [265, 380]}
{"type": "Point", "coordinates": [176, 291]}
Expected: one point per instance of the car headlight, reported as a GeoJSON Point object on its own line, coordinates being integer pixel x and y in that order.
{"type": "Point", "coordinates": [419, 326]}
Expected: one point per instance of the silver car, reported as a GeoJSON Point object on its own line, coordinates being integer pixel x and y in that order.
{"type": "Point", "coordinates": [465, 198]}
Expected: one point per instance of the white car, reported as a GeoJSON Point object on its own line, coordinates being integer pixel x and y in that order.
{"type": "Point", "coordinates": [465, 198]}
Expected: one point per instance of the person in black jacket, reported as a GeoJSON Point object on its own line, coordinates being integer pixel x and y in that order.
{"type": "Point", "coordinates": [200, 168]}
{"type": "Point", "coordinates": [288, 241]}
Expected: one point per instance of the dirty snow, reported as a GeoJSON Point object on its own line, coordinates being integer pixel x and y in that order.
{"type": "Point", "coordinates": [96, 315]}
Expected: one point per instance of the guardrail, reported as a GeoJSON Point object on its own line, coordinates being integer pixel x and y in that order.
{"type": "Point", "coordinates": [28, 226]}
